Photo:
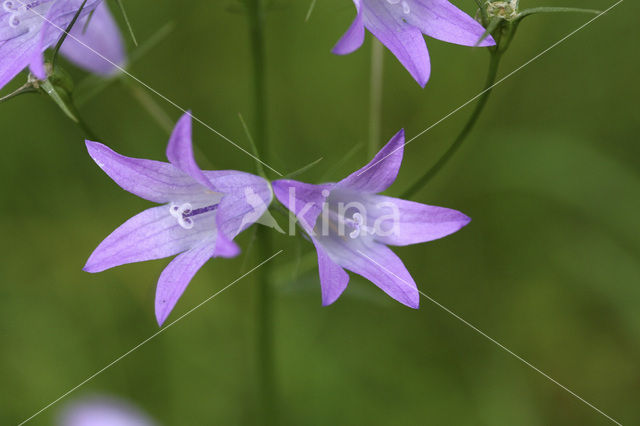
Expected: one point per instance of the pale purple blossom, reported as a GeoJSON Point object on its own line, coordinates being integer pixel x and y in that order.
{"type": "Point", "coordinates": [29, 27]}
{"type": "Point", "coordinates": [201, 213]}
{"type": "Point", "coordinates": [400, 25]}
{"type": "Point", "coordinates": [103, 411]}
{"type": "Point", "coordinates": [351, 225]}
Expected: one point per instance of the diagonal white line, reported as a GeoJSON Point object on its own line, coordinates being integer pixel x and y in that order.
{"type": "Point", "coordinates": [130, 351]}
{"type": "Point", "coordinates": [495, 84]}
{"type": "Point", "coordinates": [492, 340]}
{"type": "Point", "coordinates": [151, 89]}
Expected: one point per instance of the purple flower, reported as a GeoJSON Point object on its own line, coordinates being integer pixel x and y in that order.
{"type": "Point", "coordinates": [399, 25]}
{"type": "Point", "coordinates": [202, 212]}
{"type": "Point", "coordinates": [29, 27]}
{"type": "Point", "coordinates": [351, 225]}
{"type": "Point", "coordinates": [103, 411]}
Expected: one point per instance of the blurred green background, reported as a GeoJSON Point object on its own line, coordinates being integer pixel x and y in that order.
{"type": "Point", "coordinates": [549, 266]}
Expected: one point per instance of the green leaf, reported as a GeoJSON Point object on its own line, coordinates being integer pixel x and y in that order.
{"type": "Point", "coordinates": [254, 148]}
{"type": "Point", "coordinates": [302, 169]}
{"type": "Point", "coordinates": [311, 7]}
{"type": "Point", "coordinates": [61, 98]}
{"type": "Point", "coordinates": [126, 20]}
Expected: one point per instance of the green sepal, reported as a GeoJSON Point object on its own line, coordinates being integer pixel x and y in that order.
{"type": "Point", "coordinates": [58, 91]}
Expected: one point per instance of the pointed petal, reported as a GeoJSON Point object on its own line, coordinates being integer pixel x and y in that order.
{"type": "Point", "coordinates": [302, 199]}
{"type": "Point", "coordinates": [152, 180]}
{"type": "Point", "coordinates": [225, 247]}
{"type": "Point", "coordinates": [180, 151]}
{"type": "Point", "coordinates": [16, 55]}
{"type": "Point", "coordinates": [152, 234]}
{"type": "Point", "coordinates": [177, 275]}
{"type": "Point", "coordinates": [442, 20]}
{"type": "Point", "coordinates": [403, 40]}
{"type": "Point", "coordinates": [377, 263]}
{"type": "Point", "coordinates": [381, 172]}
{"type": "Point", "coordinates": [333, 279]}
{"type": "Point", "coordinates": [354, 37]}
{"type": "Point", "coordinates": [400, 222]}
{"type": "Point", "coordinates": [86, 45]}
{"type": "Point", "coordinates": [246, 198]}
{"type": "Point", "coordinates": [58, 17]}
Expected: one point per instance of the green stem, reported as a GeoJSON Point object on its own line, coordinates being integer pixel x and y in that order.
{"type": "Point", "coordinates": [264, 302]}
{"type": "Point", "coordinates": [488, 87]}
{"type": "Point", "coordinates": [375, 97]}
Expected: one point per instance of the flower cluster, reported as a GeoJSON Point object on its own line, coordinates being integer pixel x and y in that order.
{"type": "Point", "coordinates": [200, 212]}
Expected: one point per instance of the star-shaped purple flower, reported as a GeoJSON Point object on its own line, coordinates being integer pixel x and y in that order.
{"type": "Point", "coordinates": [399, 25]}
{"type": "Point", "coordinates": [29, 27]}
{"type": "Point", "coordinates": [351, 225]}
{"type": "Point", "coordinates": [202, 212]}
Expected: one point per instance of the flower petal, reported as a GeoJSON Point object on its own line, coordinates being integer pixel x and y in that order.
{"type": "Point", "coordinates": [177, 275]}
{"type": "Point", "coordinates": [375, 262]}
{"type": "Point", "coordinates": [400, 222]}
{"type": "Point", "coordinates": [225, 248]}
{"type": "Point", "coordinates": [333, 279]}
{"type": "Point", "coordinates": [152, 234]}
{"type": "Point", "coordinates": [303, 199]}
{"type": "Point", "coordinates": [152, 180]}
{"type": "Point", "coordinates": [444, 21]}
{"type": "Point", "coordinates": [403, 40]}
{"type": "Point", "coordinates": [381, 172]}
{"type": "Point", "coordinates": [101, 38]}
{"type": "Point", "coordinates": [58, 17]}
{"type": "Point", "coordinates": [354, 37]}
{"type": "Point", "coordinates": [180, 151]}
{"type": "Point", "coordinates": [246, 198]}
{"type": "Point", "coordinates": [99, 410]}
{"type": "Point", "coordinates": [16, 55]}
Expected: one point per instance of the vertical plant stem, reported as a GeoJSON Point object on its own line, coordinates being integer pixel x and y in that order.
{"type": "Point", "coordinates": [264, 302]}
{"type": "Point", "coordinates": [375, 97]}
{"type": "Point", "coordinates": [490, 81]}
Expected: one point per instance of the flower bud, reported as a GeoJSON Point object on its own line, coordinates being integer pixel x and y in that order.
{"type": "Point", "coordinates": [507, 10]}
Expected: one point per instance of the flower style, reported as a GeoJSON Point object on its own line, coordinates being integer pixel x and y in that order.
{"type": "Point", "coordinates": [29, 27]}
{"type": "Point", "coordinates": [351, 225]}
{"type": "Point", "coordinates": [202, 212]}
{"type": "Point", "coordinates": [399, 25]}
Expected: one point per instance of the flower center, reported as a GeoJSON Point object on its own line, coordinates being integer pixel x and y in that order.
{"type": "Point", "coordinates": [185, 212]}
{"type": "Point", "coordinates": [341, 224]}
{"type": "Point", "coordinates": [20, 13]}
{"type": "Point", "coordinates": [404, 3]}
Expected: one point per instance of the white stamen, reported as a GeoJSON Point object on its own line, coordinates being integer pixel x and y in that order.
{"type": "Point", "coordinates": [178, 211]}
{"type": "Point", "coordinates": [8, 6]}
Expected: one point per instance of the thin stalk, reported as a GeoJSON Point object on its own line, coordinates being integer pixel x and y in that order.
{"type": "Point", "coordinates": [66, 32]}
{"type": "Point", "coordinates": [375, 97]}
{"type": "Point", "coordinates": [264, 303]}
{"type": "Point", "coordinates": [494, 64]}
